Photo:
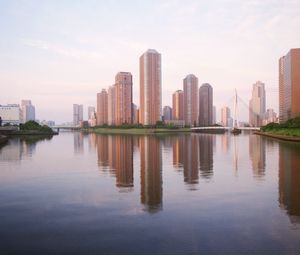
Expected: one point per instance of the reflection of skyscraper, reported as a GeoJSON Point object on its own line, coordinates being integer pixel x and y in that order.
{"type": "Point", "coordinates": [257, 151]}
{"type": "Point", "coordinates": [206, 155]}
{"type": "Point", "coordinates": [178, 151]}
{"type": "Point", "coordinates": [124, 161]}
{"type": "Point", "coordinates": [78, 142]}
{"type": "Point", "coordinates": [151, 173]}
{"type": "Point", "coordinates": [225, 142]}
{"type": "Point", "coordinates": [190, 159]}
{"type": "Point", "coordinates": [102, 150]}
{"type": "Point", "coordinates": [289, 180]}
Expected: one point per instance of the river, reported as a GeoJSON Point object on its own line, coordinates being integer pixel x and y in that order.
{"type": "Point", "coordinates": [168, 194]}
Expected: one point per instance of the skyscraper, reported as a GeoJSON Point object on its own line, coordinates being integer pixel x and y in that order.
{"type": "Point", "coordinates": [123, 98]}
{"type": "Point", "coordinates": [77, 114]}
{"type": "Point", "coordinates": [289, 85]}
{"type": "Point", "coordinates": [111, 105]}
{"type": "Point", "coordinates": [167, 112]}
{"type": "Point", "coordinates": [150, 87]}
{"type": "Point", "coordinates": [225, 116]}
{"type": "Point", "coordinates": [177, 103]}
{"type": "Point", "coordinates": [91, 111]}
{"type": "Point", "coordinates": [28, 111]}
{"type": "Point", "coordinates": [205, 105]}
{"type": "Point", "coordinates": [257, 104]}
{"type": "Point", "coordinates": [190, 90]}
{"type": "Point", "coordinates": [102, 105]}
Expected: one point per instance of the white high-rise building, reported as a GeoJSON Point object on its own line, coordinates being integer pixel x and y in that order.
{"type": "Point", "coordinates": [257, 105]}
{"type": "Point", "coordinates": [77, 114]}
{"type": "Point", "coordinates": [28, 111]}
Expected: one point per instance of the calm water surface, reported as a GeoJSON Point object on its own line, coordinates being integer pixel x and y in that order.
{"type": "Point", "coordinates": [179, 194]}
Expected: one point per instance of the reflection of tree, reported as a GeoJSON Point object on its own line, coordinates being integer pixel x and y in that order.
{"type": "Point", "coordinates": [257, 152]}
{"type": "Point", "coordinates": [206, 143]}
{"type": "Point", "coordinates": [289, 179]}
{"type": "Point", "coordinates": [22, 146]}
{"type": "Point", "coordinates": [151, 173]}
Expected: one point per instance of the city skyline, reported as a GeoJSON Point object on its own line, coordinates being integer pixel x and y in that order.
{"type": "Point", "coordinates": [49, 60]}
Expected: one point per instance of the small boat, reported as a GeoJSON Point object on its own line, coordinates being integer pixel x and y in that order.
{"type": "Point", "coordinates": [235, 131]}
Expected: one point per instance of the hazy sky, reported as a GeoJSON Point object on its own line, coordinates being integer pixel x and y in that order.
{"type": "Point", "coordinates": [57, 53]}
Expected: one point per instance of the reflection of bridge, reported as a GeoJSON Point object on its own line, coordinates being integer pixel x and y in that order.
{"type": "Point", "coordinates": [223, 128]}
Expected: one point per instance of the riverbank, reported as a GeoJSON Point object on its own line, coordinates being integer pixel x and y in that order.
{"type": "Point", "coordinates": [136, 131]}
{"type": "Point", "coordinates": [280, 134]}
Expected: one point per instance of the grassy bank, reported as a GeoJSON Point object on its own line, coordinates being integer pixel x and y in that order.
{"type": "Point", "coordinates": [136, 131]}
{"type": "Point", "coordinates": [289, 130]}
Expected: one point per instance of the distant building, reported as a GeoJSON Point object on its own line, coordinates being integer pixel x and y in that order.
{"type": "Point", "coordinates": [28, 111]}
{"type": "Point", "coordinates": [123, 98]}
{"type": "Point", "coordinates": [289, 85]}
{"type": "Point", "coordinates": [177, 103]}
{"type": "Point", "coordinates": [205, 105]}
{"type": "Point", "coordinates": [270, 117]}
{"type": "Point", "coordinates": [150, 87]}
{"type": "Point", "coordinates": [91, 110]}
{"type": "Point", "coordinates": [257, 104]}
{"type": "Point", "coordinates": [10, 114]}
{"type": "Point", "coordinates": [167, 113]}
{"type": "Point", "coordinates": [77, 114]}
{"type": "Point", "coordinates": [190, 90]}
{"type": "Point", "coordinates": [225, 116]}
{"type": "Point", "coordinates": [102, 108]}
{"type": "Point", "coordinates": [214, 115]}
{"type": "Point", "coordinates": [111, 105]}
{"type": "Point", "coordinates": [135, 114]}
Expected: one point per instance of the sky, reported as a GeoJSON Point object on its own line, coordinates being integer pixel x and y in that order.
{"type": "Point", "coordinates": [61, 52]}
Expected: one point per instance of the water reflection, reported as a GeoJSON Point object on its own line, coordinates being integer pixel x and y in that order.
{"type": "Point", "coordinates": [78, 143]}
{"type": "Point", "coordinates": [289, 179]}
{"type": "Point", "coordinates": [151, 173]}
{"type": "Point", "coordinates": [190, 160]}
{"type": "Point", "coordinates": [21, 148]}
{"type": "Point", "coordinates": [257, 154]}
{"type": "Point", "coordinates": [115, 155]}
{"type": "Point", "coordinates": [206, 143]}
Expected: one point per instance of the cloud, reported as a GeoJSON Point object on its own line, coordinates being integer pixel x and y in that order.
{"type": "Point", "coordinates": [62, 50]}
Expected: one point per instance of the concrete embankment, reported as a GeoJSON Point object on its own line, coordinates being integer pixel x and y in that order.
{"type": "Point", "coordinates": [280, 137]}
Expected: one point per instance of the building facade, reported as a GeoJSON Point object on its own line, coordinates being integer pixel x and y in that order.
{"type": "Point", "coordinates": [11, 114]}
{"type": "Point", "coordinates": [150, 87]}
{"type": "Point", "coordinates": [177, 103]}
{"type": "Point", "coordinates": [190, 90]}
{"type": "Point", "coordinates": [289, 85]}
{"type": "Point", "coordinates": [167, 113]}
{"type": "Point", "coordinates": [102, 105]}
{"type": "Point", "coordinates": [28, 111]}
{"type": "Point", "coordinates": [257, 105]}
{"type": "Point", "coordinates": [77, 114]}
{"type": "Point", "coordinates": [205, 105]}
{"type": "Point", "coordinates": [123, 98]}
{"type": "Point", "coordinates": [225, 116]}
